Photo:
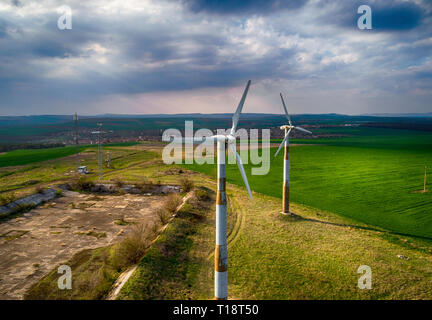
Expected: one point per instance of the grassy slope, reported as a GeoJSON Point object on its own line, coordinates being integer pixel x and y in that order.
{"type": "Point", "coordinates": [29, 156]}
{"type": "Point", "coordinates": [272, 256]}
{"type": "Point", "coordinates": [367, 178]}
{"type": "Point", "coordinates": [22, 180]}
{"type": "Point", "coordinates": [276, 257]}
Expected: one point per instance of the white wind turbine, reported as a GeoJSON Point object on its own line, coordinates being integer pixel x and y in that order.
{"type": "Point", "coordinates": [221, 251]}
{"type": "Point", "coordinates": [285, 142]}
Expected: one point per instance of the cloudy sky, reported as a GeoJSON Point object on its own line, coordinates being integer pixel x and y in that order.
{"type": "Point", "coordinates": [182, 56]}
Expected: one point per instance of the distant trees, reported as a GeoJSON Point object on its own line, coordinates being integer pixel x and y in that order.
{"type": "Point", "coordinates": [5, 147]}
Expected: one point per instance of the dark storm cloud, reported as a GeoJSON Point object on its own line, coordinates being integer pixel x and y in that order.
{"type": "Point", "coordinates": [402, 16]}
{"type": "Point", "coordinates": [386, 15]}
{"type": "Point", "coordinates": [243, 7]}
{"type": "Point", "coordinates": [209, 44]}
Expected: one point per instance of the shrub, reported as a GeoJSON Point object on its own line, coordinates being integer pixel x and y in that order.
{"type": "Point", "coordinates": [59, 192]}
{"type": "Point", "coordinates": [163, 216]}
{"type": "Point", "coordinates": [40, 189]}
{"type": "Point", "coordinates": [81, 184]}
{"type": "Point", "coordinates": [202, 195]}
{"type": "Point", "coordinates": [186, 185]}
{"type": "Point", "coordinates": [133, 247]}
{"type": "Point", "coordinates": [173, 200]}
{"type": "Point", "coordinates": [6, 199]}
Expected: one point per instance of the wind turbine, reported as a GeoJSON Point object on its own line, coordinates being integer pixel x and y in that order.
{"type": "Point", "coordinates": [285, 142]}
{"type": "Point", "coordinates": [223, 141]}
{"type": "Point", "coordinates": [221, 251]}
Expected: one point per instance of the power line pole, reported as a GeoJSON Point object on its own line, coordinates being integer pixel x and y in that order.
{"type": "Point", "coordinates": [108, 159]}
{"type": "Point", "coordinates": [76, 139]}
{"type": "Point", "coordinates": [99, 148]}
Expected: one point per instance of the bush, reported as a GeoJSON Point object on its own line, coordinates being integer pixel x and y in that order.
{"type": "Point", "coordinates": [40, 189]}
{"type": "Point", "coordinates": [133, 247]}
{"type": "Point", "coordinates": [163, 216]}
{"type": "Point", "coordinates": [59, 192]}
{"type": "Point", "coordinates": [6, 199]}
{"type": "Point", "coordinates": [186, 185]}
{"type": "Point", "coordinates": [81, 184]}
{"type": "Point", "coordinates": [145, 186]}
{"type": "Point", "coordinates": [202, 195]}
{"type": "Point", "coordinates": [173, 200]}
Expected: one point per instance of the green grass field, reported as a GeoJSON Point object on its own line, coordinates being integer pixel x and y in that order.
{"type": "Point", "coordinates": [28, 156]}
{"type": "Point", "coordinates": [48, 166]}
{"type": "Point", "coordinates": [314, 256]}
{"type": "Point", "coordinates": [370, 177]}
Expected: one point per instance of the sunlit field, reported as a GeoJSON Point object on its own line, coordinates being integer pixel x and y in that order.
{"type": "Point", "coordinates": [371, 177]}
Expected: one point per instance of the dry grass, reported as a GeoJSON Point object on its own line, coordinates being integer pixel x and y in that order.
{"type": "Point", "coordinates": [201, 194]}
{"type": "Point", "coordinates": [6, 199]}
{"type": "Point", "coordinates": [133, 247]}
{"type": "Point", "coordinates": [186, 185]}
{"type": "Point", "coordinates": [81, 184]}
{"type": "Point", "coordinates": [170, 206]}
{"type": "Point", "coordinates": [163, 216]}
{"type": "Point", "coordinates": [173, 200]}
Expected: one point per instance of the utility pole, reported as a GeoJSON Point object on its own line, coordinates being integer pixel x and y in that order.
{"type": "Point", "coordinates": [99, 148]}
{"type": "Point", "coordinates": [108, 159]}
{"type": "Point", "coordinates": [76, 138]}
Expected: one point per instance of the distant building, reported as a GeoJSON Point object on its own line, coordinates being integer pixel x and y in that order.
{"type": "Point", "coordinates": [82, 169]}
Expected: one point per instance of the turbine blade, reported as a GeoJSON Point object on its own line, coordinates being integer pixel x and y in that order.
{"type": "Point", "coordinates": [281, 145]}
{"type": "Point", "coordinates": [301, 129]}
{"type": "Point", "coordinates": [286, 111]}
{"type": "Point", "coordinates": [240, 165]}
{"type": "Point", "coordinates": [236, 115]}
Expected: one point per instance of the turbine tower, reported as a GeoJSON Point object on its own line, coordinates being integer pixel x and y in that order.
{"type": "Point", "coordinates": [75, 118]}
{"type": "Point", "coordinates": [99, 148]}
{"type": "Point", "coordinates": [221, 251]}
{"type": "Point", "coordinates": [285, 142]}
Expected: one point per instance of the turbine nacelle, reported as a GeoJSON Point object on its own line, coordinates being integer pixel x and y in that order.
{"type": "Point", "coordinates": [222, 138]}
{"type": "Point", "coordinates": [288, 127]}
{"type": "Point", "coordinates": [229, 138]}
